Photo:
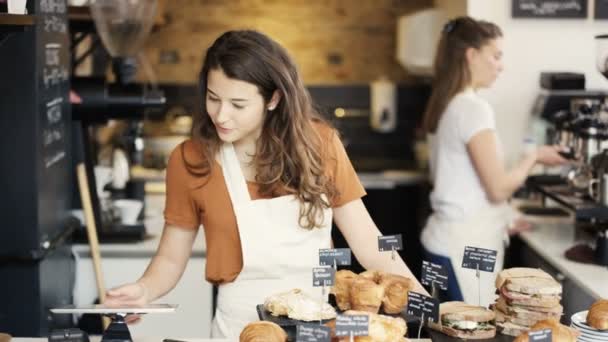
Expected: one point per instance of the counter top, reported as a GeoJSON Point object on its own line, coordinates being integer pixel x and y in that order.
{"type": "Point", "coordinates": [154, 222]}
{"type": "Point", "coordinates": [388, 179]}
{"type": "Point", "coordinates": [135, 339]}
{"type": "Point", "coordinates": [550, 240]}
{"type": "Point", "coordinates": [160, 339]}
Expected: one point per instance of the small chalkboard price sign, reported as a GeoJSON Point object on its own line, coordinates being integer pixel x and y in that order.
{"type": "Point", "coordinates": [570, 9]}
{"type": "Point", "coordinates": [601, 9]}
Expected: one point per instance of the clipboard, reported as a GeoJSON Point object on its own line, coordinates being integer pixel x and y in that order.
{"type": "Point", "coordinates": [105, 310]}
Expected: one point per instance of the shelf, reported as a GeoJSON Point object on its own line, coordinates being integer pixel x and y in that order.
{"type": "Point", "coordinates": [16, 20]}
{"type": "Point", "coordinates": [11, 23]}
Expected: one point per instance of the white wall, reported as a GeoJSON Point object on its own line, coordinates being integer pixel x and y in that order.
{"type": "Point", "coordinates": [532, 46]}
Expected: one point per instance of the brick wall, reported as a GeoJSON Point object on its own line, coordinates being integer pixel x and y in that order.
{"type": "Point", "coordinates": [333, 41]}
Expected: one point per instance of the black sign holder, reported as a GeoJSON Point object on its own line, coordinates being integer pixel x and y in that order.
{"type": "Point", "coordinates": [466, 262]}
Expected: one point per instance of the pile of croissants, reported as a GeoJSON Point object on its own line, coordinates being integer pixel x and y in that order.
{"type": "Point", "coordinates": [367, 293]}
{"type": "Point", "coordinates": [371, 290]}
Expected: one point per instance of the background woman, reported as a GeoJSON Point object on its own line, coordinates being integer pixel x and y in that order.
{"type": "Point", "coordinates": [471, 182]}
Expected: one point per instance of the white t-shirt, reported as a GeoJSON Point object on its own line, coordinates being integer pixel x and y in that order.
{"type": "Point", "coordinates": [458, 193]}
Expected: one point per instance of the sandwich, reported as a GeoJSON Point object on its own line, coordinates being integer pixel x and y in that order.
{"type": "Point", "coordinates": [559, 332]}
{"type": "Point", "coordinates": [526, 296]}
{"type": "Point", "coordinates": [597, 317]}
{"type": "Point", "coordinates": [529, 287]}
{"type": "Point", "coordinates": [458, 319]}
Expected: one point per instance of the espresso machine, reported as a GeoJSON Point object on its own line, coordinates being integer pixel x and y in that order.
{"type": "Point", "coordinates": [577, 120]}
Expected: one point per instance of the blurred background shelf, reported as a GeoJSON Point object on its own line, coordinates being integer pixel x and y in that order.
{"type": "Point", "coordinates": [15, 22]}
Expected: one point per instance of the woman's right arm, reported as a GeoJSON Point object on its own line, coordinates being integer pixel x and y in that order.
{"type": "Point", "coordinates": [163, 272]}
{"type": "Point", "coordinates": [498, 182]}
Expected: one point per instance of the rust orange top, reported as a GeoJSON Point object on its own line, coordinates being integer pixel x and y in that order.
{"type": "Point", "coordinates": [193, 201]}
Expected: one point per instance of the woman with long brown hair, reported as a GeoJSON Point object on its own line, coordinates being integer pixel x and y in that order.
{"type": "Point", "coordinates": [264, 175]}
{"type": "Point", "coordinates": [470, 181]}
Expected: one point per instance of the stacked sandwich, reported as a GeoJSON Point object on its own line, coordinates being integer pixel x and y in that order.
{"type": "Point", "coordinates": [526, 296]}
{"type": "Point", "coordinates": [461, 320]}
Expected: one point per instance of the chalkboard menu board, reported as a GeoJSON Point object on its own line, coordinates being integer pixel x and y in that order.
{"type": "Point", "coordinates": [601, 9]}
{"type": "Point", "coordinates": [549, 8]}
{"type": "Point", "coordinates": [53, 70]}
{"type": "Point", "coordinates": [36, 175]}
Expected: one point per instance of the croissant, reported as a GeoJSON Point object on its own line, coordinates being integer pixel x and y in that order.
{"type": "Point", "coordinates": [366, 295]}
{"type": "Point", "coordinates": [263, 331]}
{"type": "Point", "coordinates": [395, 292]}
{"type": "Point", "coordinates": [559, 332]}
{"type": "Point", "coordinates": [373, 275]}
{"type": "Point", "coordinates": [597, 317]}
{"type": "Point", "coordinates": [5, 337]}
{"type": "Point", "coordinates": [381, 328]}
{"type": "Point", "coordinates": [341, 289]}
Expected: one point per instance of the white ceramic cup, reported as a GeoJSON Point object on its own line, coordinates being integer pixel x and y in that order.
{"type": "Point", "coordinates": [78, 214]}
{"type": "Point", "coordinates": [129, 210]}
{"type": "Point", "coordinates": [103, 176]}
{"type": "Point", "coordinates": [17, 6]}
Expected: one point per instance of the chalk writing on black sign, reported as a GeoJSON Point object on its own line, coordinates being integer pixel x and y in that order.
{"type": "Point", "coordinates": [549, 8]}
{"type": "Point", "coordinates": [434, 274]}
{"type": "Point", "coordinates": [352, 325]}
{"type": "Point", "coordinates": [53, 6]}
{"type": "Point", "coordinates": [420, 305]}
{"type": "Point", "coordinates": [389, 243]}
{"type": "Point", "coordinates": [323, 276]}
{"type": "Point", "coordinates": [601, 9]}
{"type": "Point", "coordinates": [544, 335]}
{"type": "Point", "coordinates": [475, 257]}
{"type": "Point", "coordinates": [341, 257]}
{"type": "Point", "coordinates": [312, 333]}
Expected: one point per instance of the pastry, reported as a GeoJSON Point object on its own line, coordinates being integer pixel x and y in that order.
{"type": "Point", "coordinates": [396, 289]}
{"type": "Point", "coordinates": [366, 295]}
{"type": "Point", "coordinates": [381, 328]}
{"type": "Point", "coordinates": [263, 331]}
{"type": "Point", "coordinates": [5, 337]}
{"type": "Point", "coordinates": [341, 289]}
{"type": "Point", "coordinates": [373, 275]}
{"type": "Point", "coordinates": [559, 332]}
{"type": "Point", "coordinates": [597, 317]}
{"type": "Point", "coordinates": [296, 304]}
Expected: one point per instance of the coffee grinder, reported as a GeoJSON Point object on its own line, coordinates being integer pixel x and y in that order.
{"type": "Point", "coordinates": [122, 27]}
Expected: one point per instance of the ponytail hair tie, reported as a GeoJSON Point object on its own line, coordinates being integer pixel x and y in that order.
{"type": "Point", "coordinates": [449, 26]}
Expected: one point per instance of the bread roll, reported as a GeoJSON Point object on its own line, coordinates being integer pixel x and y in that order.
{"type": "Point", "coordinates": [396, 289]}
{"type": "Point", "coordinates": [341, 290]}
{"type": "Point", "coordinates": [559, 332]}
{"type": "Point", "coordinates": [5, 337]}
{"type": "Point", "coordinates": [375, 276]}
{"type": "Point", "coordinates": [263, 331]}
{"type": "Point", "coordinates": [597, 317]}
{"type": "Point", "coordinates": [366, 295]}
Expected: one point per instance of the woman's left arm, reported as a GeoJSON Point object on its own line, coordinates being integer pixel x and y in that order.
{"type": "Point", "coordinates": [361, 234]}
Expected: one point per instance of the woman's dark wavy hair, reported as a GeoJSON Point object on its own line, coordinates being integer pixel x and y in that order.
{"type": "Point", "coordinates": [289, 156]}
{"type": "Point", "coordinates": [451, 70]}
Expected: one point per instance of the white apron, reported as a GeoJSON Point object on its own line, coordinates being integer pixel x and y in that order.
{"type": "Point", "coordinates": [486, 230]}
{"type": "Point", "coordinates": [278, 254]}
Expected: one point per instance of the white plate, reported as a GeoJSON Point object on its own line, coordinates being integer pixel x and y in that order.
{"type": "Point", "coordinates": [102, 309]}
{"type": "Point", "coordinates": [579, 319]}
{"type": "Point", "coordinates": [588, 339]}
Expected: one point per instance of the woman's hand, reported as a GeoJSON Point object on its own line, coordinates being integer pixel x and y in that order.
{"type": "Point", "coordinates": [519, 225]}
{"type": "Point", "coordinates": [549, 155]}
{"type": "Point", "coordinates": [129, 295]}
